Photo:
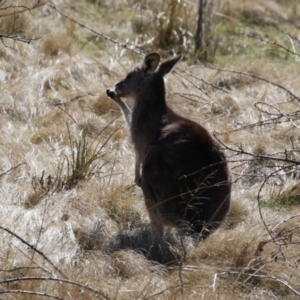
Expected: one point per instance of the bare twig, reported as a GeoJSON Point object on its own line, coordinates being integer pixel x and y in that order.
{"type": "Point", "coordinates": [253, 36]}
{"type": "Point", "coordinates": [59, 280]}
{"type": "Point", "coordinates": [11, 169]}
{"type": "Point", "coordinates": [23, 8]}
{"type": "Point", "coordinates": [285, 221]}
{"type": "Point", "coordinates": [131, 47]}
{"type": "Point", "coordinates": [19, 269]}
{"type": "Point", "coordinates": [196, 86]}
{"type": "Point", "coordinates": [30, 293]}
{"type": "Point", "coordinates": [252, 76]}
{"type": "Point", "coordinates": [17, 9]}
{"type": "Point", "coordinates": [291, 39]}
{"type": "Point", "coordinates": [58, 102]}
{"type": "Point", "coordinates": [278, 112]}
{"type": "Point", "coordinates": [200, 79]}
{"type": "Point", "coordinates": [259, 198]}
{"type": "Point", "coordinates": [17, 38]}
{"type": "Point", "coordinates": [33, 248]}
{"type": "Point", "coordinates": [190, 97]}
{"type": "Point", "coordinates": [283, 282]}
{"type": "Point", "coordinates": [240, 151]}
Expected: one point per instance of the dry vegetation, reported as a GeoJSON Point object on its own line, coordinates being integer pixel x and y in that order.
{"type": "Point", "coordinates": [72, 224]}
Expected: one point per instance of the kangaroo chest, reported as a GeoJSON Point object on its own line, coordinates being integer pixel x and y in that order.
{"type": "Point", "coordinates": [145, 130]}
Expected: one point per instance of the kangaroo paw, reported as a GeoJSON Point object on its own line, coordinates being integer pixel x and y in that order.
{"type": "Point", "coordinates": [111, 94]}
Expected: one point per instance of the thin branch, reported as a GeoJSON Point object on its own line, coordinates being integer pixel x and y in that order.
{"type": "Point", "coordinates": [283, 282]}
{"type": "Point", "coordinates": [252, 76]}
{"type": "Point", "coordinates": [268, 157]}
{"type": "Point", "coordinates": [190, 97]}
{"type": "Point", "coordinates": [30, 293]}
{"type": "Point", "coordinates": [279, 112]}
{"type": "Point", "coordinates": [286, 220]}
{"type": "Point", "coordinates": [59, 280]}
{"type": "Point", "coordinates": [202, 80]}
{"type": "Point", "coordinates": [13, 168]}
{"type": "Point", "coordinates": [17, 38]}
{"type": "Point", "coordinates": [291, 39]}
{"type": "Point", "coordinates": [33, 248]}
{"type": "Point", "coordinates": [131, 47]}
{"type": "Point", "coordinates": [195, 85]}
{"type": "Point", "coordinates": [19, 269]}
{"type": "Point", "coordinates": [253, 36]}
{"type": "Point", "coordinates": [26, 255]}
{"type": "Point", "coordinates": [15, 13]}
{"type": "Point", "coordinates": [259, 198]}
{"type": "Point", "coordinates": [23, 7]}
{"type": "Point", "coordinates": [58, 102]}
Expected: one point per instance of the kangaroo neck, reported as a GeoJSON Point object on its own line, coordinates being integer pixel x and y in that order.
{"type": "Point", "coordinates": [147, 118]}
{"type": "Point", "coordinates": [145, 109]}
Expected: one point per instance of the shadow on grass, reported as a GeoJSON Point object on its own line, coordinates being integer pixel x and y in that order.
{"type": "Point", "coordinates": [139, 240]}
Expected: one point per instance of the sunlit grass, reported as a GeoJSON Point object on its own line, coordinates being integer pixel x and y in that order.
{"type": "Point", "coordinates": [88, 217]}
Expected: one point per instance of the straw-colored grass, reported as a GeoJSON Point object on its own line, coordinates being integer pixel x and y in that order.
{"type": "Point", "coordinates": [91, 238]}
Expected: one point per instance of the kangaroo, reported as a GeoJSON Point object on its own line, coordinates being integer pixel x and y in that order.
{"type": "Point", "coordinates": [179, 165]}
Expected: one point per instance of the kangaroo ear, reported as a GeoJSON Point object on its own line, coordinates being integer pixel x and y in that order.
{"type": "Point", "coordinates": [167, 65]}
{"type": "Point", "coordinates": [151, 62]}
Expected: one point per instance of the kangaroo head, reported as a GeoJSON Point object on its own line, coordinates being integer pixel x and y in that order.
{"type": "Point", "coordinates": [147, 76]}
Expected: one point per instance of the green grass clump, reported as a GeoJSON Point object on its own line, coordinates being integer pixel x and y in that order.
{"type": "Point", "coordinates": [84, 161]}
{"type": "Point", "coordinates": [287, 199]}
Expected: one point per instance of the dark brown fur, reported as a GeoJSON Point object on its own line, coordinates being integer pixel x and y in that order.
{"type": "Point", "coordinates": [185, 177]}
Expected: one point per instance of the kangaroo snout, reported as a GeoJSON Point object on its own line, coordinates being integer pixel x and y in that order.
{"type": "Point", "coordinates": [119, 86]}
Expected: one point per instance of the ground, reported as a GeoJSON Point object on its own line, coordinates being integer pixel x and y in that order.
{"type": "Point", "coordinates": [73, 224]}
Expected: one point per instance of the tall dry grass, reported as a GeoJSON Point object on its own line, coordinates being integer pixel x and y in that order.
{"type": "Point", "coordinates": [91, 240]}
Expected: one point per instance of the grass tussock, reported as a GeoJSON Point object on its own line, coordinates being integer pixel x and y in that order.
{"type": "Point", "coordinates": [286, 198]}
{"type": "Point", "coordinates": [56, 44]}
{"type": "Point", "coordinates": [72, 223]}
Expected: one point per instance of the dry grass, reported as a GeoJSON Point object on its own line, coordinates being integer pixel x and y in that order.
{"type": "Point", "coordinates": [95, 236]}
